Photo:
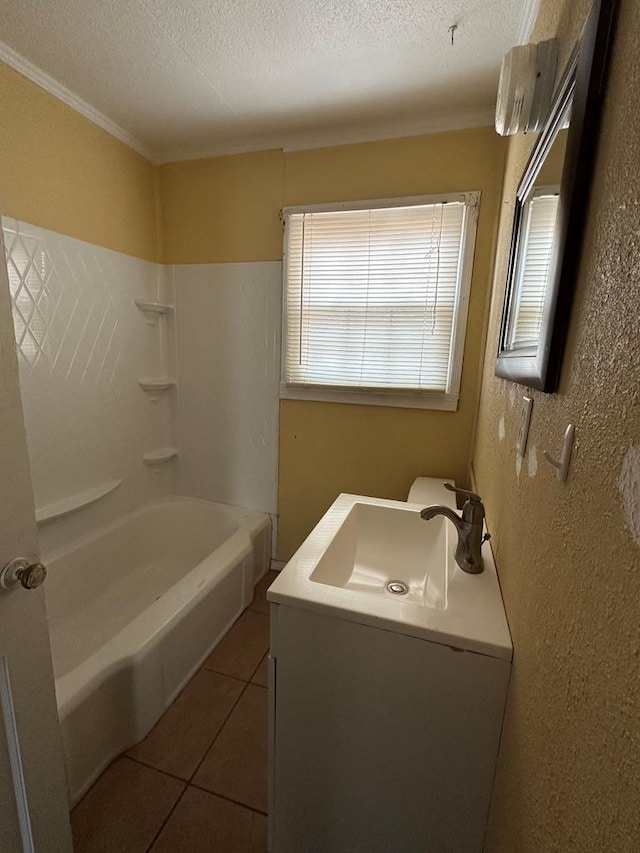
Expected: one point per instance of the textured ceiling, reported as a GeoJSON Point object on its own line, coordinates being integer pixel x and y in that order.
{"type": "Point", "coordinates": [189, 77]}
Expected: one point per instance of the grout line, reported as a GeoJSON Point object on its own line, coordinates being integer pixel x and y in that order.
{"type": "Point", "coordinates": [223, 674]}
{"type": "Point", "coordinates": [228, 799]}
{"type": "Point", "coordinates": [188, 779]}
{"type": "Point", "coordinates": [237, 677]}
{"type": "Point", "coordinates": [233, 677]}
{"type": "Point", "coordinates": [166, 820]}
{"type": "Point", "coordinates": [253, 675]}
{"type": "Point", "coordinates": [157, 769]}
{"type": "Point", "coordinates": [224, 723]}
{"type": "Point", "coordinates": [188, 782]}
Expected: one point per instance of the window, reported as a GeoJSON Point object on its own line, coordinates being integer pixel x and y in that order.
{"type": "Point", "coordinates": [375, 300]}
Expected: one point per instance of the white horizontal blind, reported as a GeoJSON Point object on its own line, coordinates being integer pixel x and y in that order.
{"type": "Point", "coordinates": [533, 272]}
{"type": "Point", "coordinates": [371, 297]}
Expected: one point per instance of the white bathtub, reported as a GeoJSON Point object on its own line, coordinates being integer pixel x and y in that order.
{"type": "Point", "coordinates": [133, 611]}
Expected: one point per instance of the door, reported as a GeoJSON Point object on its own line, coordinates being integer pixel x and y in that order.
{"type": "Point", "coordinates": [34, 813]}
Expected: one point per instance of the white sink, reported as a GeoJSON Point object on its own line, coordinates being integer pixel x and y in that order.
{"type": "Point", "coordinates": [380, 545]}
{"type": "Point", "coordinates": [362, 544]}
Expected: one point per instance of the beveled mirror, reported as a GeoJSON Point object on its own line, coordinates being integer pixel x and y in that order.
{"type": "Point", "coordinates": [549, 215]}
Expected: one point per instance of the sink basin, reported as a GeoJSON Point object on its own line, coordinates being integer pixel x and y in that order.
{"type": "Point", "coordinates": [362, 544]}
{"type": "Point", "coordinates": [376, 546]}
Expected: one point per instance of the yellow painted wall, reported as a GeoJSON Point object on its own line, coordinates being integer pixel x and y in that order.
{"type": "Point", "coordinates": [60, 171]}
{"type": "Point", "coordinates": [568, 775]}
{"type": "Point", "coordinates": [223, 210]}
{"type": "Point", "coordinates": [328, 448]}
{"type": "Point", "coordinates": [227, 209]}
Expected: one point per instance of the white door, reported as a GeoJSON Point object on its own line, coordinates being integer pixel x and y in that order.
{"type": "Point", "coordinates": [34, 813]}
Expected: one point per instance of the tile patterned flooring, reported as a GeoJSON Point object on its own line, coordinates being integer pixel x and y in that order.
{"type": "Point", "coordinates": [198, 782]}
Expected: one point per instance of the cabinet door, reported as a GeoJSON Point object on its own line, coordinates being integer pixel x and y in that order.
{"type": "Point", "coordinates": [381, 742]}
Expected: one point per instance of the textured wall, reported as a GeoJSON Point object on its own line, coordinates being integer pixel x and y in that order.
{"type": "Point", "coordinates": [568, 554]}
{"type": "Point", "coordinates": [60, 171]}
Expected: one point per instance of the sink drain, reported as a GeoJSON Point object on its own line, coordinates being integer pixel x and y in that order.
{"type": "Point", "coordinates": [397, 587]}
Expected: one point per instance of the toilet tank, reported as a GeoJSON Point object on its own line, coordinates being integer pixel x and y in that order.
{"type": "Point", "coordinates": [430, 490]}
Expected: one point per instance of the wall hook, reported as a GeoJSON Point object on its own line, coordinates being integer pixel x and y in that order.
{"type": "Point", "coordinates": [562, 465]}
{"type": "Point", "coordinates": [452, 31]}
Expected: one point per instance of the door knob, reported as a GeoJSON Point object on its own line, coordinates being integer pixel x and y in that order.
{"type": "Point", "coordinates": [22, 571]}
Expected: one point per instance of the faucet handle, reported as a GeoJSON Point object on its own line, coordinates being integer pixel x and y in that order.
{"type": "Point", "coordinates": [472, 496]}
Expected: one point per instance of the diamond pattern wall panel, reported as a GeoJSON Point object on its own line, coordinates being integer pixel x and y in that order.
{"type": "Point", "coordinates": [82, 345]}
{"type": "Point", "coordinates": [228, 343]}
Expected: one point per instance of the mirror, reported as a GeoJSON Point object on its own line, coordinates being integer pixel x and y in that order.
{"type": "Point", "coordinates": [550, 206]}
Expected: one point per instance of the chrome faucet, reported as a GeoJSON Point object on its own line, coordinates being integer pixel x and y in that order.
{"type": "Point", "coordinates": [469, 526]}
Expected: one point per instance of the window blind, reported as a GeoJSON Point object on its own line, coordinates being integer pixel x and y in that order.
{"type": "Point", "coordinates": [371, 297]}
{"type": "Point", "coordinates": [533, 274]}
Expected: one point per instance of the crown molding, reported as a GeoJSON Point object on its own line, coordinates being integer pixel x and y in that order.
{"type": "Point", "coordinates": [527, 21]}
{"type": "Point", "coordinates": [465, 119]}
{"type": "Point", "coordinates": [305, 140]}
{"type": "Point", "coordinates": [46, 82]}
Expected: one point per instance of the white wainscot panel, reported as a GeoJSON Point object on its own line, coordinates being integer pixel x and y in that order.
{"type": "Point", "coordinates": [228, 333]}
{"type": "Point", "coordinates": [82, 346]}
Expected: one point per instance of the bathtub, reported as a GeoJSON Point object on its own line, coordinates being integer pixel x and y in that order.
{"type": "Point", "coordinates": [134, 609]}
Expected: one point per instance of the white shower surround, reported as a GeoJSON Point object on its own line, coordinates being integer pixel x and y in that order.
{"type": "Point", "coordinates": [228, 344]}
{"type": "Point", "coordinates": [83, 347]}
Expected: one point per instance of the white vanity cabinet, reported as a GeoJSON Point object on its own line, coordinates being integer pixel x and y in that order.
{"type": "Point", "coordinates": [380, 742]}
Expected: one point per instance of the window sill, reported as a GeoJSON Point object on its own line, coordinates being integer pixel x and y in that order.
{"type": "Point", "coordinates": [401, 399]}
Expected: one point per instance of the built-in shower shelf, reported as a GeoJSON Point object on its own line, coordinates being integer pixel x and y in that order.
{"type": "Point", "coordinates": [69, 505]}
{"type": "Point", "coordinates": [155, 387]}
{"type": "Point", "coordinates": [153, 310]}
{"type": "Point", "coordinates": [160, 456]}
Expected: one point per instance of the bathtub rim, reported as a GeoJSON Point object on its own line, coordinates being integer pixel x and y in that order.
{"type": "Point", "coordinates": [143, 637]}
{"type": "Point", "coordinates": [182, 596]}
{"type": "Point", "coordinates": [111, 526]}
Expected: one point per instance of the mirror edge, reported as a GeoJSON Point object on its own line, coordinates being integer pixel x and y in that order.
{"type": "Point", "coordinates": [540, 367]}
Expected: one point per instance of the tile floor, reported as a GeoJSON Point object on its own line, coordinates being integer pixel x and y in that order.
{"type": "Point", "coordinates": [198, 781]}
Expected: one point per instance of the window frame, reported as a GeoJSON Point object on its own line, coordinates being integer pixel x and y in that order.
{"type": "Point", "coordinates": [401, 397]}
